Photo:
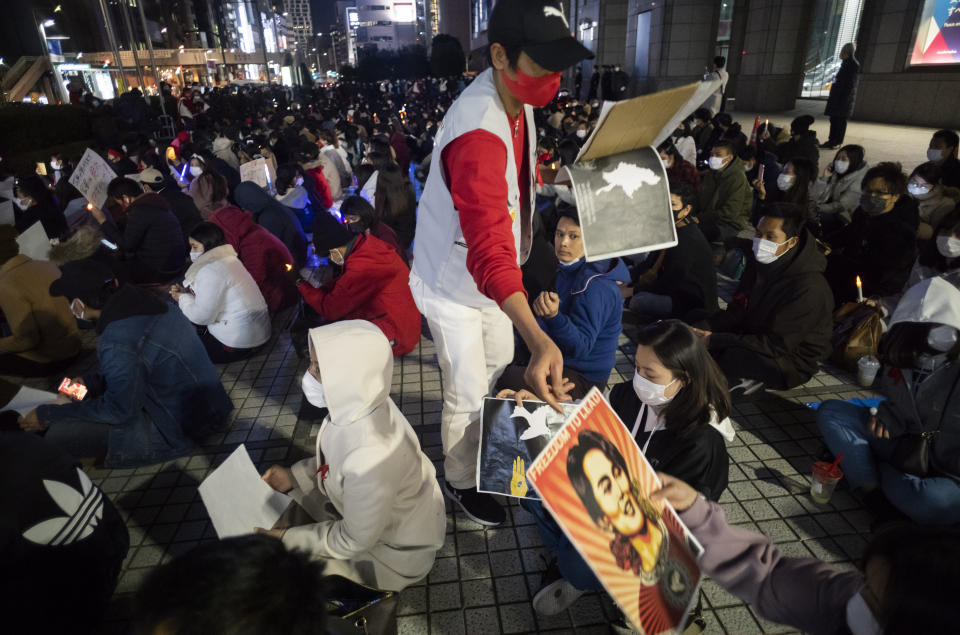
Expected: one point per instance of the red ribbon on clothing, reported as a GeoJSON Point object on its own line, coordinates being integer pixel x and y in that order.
{"type": "Point", "coordinates": [323, 471]}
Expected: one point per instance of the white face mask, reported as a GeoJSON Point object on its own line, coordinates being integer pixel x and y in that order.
{"type": "Point", "coordinates": [933, 154]}
{"type": "Point", "coordinates": [194, 255]}
{"type": "Point", "coordinates": [582, 134]}
{"type": "Point", "coordinates": [841, 166]}
{"type": "Point", "coordinates": [860, 619]}
{"type": "Point", "coordinates": [918, 191]}
{"type": "Point", "coordinates": [942, 338]}
{"type": "Point", "coordinates": [948, 246]}
{"type": "Point", "coordinates": [716, 163]}
{"type": "Point", "coordinates": [313, 391]}
{"type": "Point", "coordinates": [56, 165]}
{"type": "Point", "coordinates": [765, 251]}
{"type": "Point", "coordinates": [650, 393]}
{"type": "Point", "coordinates": [784, 181]}
{"type": "Point", "coordinates": [196, 171]}
{"type": "Point", "coordinates": [298, 182]}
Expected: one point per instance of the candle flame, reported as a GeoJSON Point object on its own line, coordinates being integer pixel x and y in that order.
{"type": "Point", "coordinates": [90, 207]}
{"type": "Point", "coordinates": [288, 267]}
{"type": "Point", "coordinates": [859, 284]}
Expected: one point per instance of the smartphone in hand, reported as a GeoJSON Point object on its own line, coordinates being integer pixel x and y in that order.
{"type": "Point", "coordinates": [72, 389]}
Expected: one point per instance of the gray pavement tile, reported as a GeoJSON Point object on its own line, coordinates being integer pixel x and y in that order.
{"type": "Point", "coordinates": [447, 623]}
{"type": "Point", "coordinates": [478, 592]}
{"type": "Point", "coordinates": [412, 625]}
{"type": "Point", "coordinates": [738, 620]}
{"type": "Point", "coordinates": [511, 589]}
{"type": "Point", "coordinates": [482, 620]}
{"type": "Point", "coordinates": [517, 618]}
{"type": "Point", "coordinates": [444, 596]}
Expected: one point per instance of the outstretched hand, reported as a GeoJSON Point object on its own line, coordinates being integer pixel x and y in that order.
{"type": "Point", "coordinates": [545, 374]}
{"type": "Point", "coordinates": [674, 491]}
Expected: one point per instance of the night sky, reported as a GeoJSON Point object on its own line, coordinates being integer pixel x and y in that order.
{"type": "Point", "coordinates": [324, 13]}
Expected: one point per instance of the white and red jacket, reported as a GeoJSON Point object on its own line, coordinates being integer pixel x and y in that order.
{"type": "Point", "coordinates": [474, 220]}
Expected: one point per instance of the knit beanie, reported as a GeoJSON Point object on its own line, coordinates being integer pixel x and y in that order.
{"type": "Point", "coordinates": [329, 233]}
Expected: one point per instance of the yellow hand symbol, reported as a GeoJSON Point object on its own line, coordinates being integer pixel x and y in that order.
{"type": "Point", "coordinates": [518, 484]}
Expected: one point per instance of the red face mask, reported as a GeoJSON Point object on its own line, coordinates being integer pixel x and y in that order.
{"type": "Point", "coordinates": [536, 91]}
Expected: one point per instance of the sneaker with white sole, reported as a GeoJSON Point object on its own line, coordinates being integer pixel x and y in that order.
{"type": "Point", "coordinates": [480, 508]}
{"type": "Point", "coordinates": [556, 594]}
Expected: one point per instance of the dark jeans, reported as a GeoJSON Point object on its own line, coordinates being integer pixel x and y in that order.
{"type": "Point", "coordinates": [838, 130]}
{"type": "Point", "coordinates": [512, 378]}
{"type": "Point", "coordinates": [573, 567]}
{"type": "Point", "coordinates": [220, 353]}
{"type": "Point", "coordinates": [13, 364]}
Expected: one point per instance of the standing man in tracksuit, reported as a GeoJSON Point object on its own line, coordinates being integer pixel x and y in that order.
{"type": "Point", "coordinates": [474, 231]}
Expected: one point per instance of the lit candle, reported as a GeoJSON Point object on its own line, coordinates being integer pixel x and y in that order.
{"type": "Point", "coordinates": [859, 290]}
{"type": "Point", "coordinates": [89, 207]}
{"type": "Point", "coordinates": [288, 267]}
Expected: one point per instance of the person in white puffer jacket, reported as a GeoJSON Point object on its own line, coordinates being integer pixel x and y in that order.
{"type": "Point", "coordinates": [374, 511]}
{"type": "Point", "coordinates": [218, 293]}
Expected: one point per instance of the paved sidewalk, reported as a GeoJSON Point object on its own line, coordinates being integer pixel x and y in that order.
{"type": "Point", "coordinates": [484, 579]}
{"type": "Point", "coordinates": [883, 142]}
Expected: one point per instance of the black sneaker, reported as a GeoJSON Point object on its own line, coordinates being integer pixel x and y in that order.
{"type": "Point", "coordinates": [556, 594]}
{"type": "Point", "coordinates": [480, 508]}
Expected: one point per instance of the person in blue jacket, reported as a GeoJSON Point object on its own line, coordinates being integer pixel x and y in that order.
{"type": "Point", "coordinates": [583, 316]}
{"type": "Point", "coordinates": [156, 391]}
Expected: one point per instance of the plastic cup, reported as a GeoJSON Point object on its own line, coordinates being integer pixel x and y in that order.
{"type": "Point", "coordinates": [825, 479]}
{"type": "Point", "coordinates": [867, 368]}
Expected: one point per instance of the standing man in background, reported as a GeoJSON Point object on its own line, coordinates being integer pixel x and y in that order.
{"type": "Point", "coordinates": [843, 94]}
{"type": "Point", "coordinates": [474, 230]}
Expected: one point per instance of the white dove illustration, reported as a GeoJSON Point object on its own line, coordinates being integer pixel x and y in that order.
{"type": "Point", "coordinates": [84, 511]}
{"type": "Point", "coordinates": [537, 420]}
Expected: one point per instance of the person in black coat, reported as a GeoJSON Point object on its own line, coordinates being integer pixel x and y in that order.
{"type": "Point", "coordinates": [36, 203]}
{"type": "Point", "coordinates": [803, 143]}
{"type": "Point", "coordinates": [777, 327]}
{"type": "Point", "coordinates": [181, 204]}
{"type": "Point", "coordinates": [843, 94]}
{"type": "Point", "coordinates": [879, 244]}
{"type": "Point", "coordinates": [682, 282]}
{"type": "Point", "coordinates": [63, 541]}
{"type": "Point", "coordinates": [151, 242]}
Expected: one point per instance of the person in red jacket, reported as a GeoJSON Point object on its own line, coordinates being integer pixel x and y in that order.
{"type": "Point", "coordinates": [373, 285]}
{"type": "Point", "coordinates": [262, 253]}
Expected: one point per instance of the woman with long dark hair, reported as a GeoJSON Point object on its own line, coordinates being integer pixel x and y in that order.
{"type": "Point", "coordinates": [676, 407]}
{"type": "Point", "coordinates": [396, 203]}
{"type": "Point", "coordinates": [793, 186]}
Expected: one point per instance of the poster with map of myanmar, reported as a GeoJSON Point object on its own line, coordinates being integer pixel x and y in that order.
{"type": "Point", "coordinates": [618, 180]}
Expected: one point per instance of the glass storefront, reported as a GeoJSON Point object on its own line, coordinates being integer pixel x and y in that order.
{"type": "Point", "coordinates": [835, 23]}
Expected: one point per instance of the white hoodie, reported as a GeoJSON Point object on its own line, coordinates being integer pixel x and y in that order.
{"type": "Point", "coordinates": [382, 485]}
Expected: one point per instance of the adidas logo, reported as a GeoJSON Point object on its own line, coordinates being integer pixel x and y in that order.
{"type": "Point", "coordinates": [83, 511]}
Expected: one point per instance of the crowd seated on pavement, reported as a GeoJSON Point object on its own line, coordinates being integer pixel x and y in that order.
{"type": "Point", "coordinates": [186, 269]}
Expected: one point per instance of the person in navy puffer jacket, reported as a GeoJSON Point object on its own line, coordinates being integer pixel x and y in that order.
{"type": "Point", "coordinates": [583, 316]}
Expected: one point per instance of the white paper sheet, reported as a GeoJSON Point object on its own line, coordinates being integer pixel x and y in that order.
{"type": "Point", "coordinates": [28, 398]}
{"type": "Point", "coordinates": [237, 500]}
{"type": "Point", "coordinates": [34, 242]}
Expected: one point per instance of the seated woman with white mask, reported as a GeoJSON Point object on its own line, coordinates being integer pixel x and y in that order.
{"type": "Point", "coordinates": [220, 294]}
{"type": "Point", "coordinates": [676, 407]}
{"type": "Point", "coordinates": [390, 519]}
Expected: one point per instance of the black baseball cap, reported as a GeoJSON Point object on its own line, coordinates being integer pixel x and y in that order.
{"type": "Point", "coordinates": [540, 29]}
{"type": "Point", "coordinates": [83, 279]}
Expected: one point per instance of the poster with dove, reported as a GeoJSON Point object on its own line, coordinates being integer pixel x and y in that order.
{"type": "Point", "coordinates": [511, 437]}
{"type": "Point", "coordinates": [624, 204]}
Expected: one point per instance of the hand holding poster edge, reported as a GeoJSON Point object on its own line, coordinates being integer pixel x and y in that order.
{"type": "Point", "coordinates": [653, 589]}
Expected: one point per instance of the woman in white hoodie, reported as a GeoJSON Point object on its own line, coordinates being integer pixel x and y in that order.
{"type": "Point", "coordinates": [218, 293]}
{"type": "Point", "coordinates": [390, 519]}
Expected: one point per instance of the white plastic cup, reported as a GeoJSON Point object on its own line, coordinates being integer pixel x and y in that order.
{"type": "Point", "coordinates": [867, 368]}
